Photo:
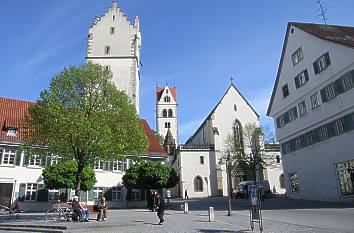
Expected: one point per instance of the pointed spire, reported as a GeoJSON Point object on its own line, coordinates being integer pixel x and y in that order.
{"type": "Point", "coordinates": [232, 80]}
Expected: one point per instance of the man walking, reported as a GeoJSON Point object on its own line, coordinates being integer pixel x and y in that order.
{"type": "Point", "coordinates": [161, 205]}
{"type": "Point", "coordinates": [186, 194]}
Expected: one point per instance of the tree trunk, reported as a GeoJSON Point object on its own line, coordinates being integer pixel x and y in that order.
{"type": "Point", "coordinates": [80, 168]}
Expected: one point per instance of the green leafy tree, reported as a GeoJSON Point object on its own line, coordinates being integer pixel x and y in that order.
{"type": "Point", "coordinates": [63, 175]}
{"type": "Point", "coordinates": [82, 116]}
{"type": "Point", "coordinates": [150, 175]}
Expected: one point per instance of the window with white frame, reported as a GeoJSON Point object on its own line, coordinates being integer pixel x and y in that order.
{"type": "Point", "coordinates": [302, 108]}
{"type": "Point", "coordinates": [116, 193]}
{"type": "Point", "coordinates": [31, 192]}
{"type": "Point", "coordinates": [322, 63]}
{"type": "Point", "coordinates": [34, 160]}
{"type": "Point", "coordinates": [53, 195]}
{"type": "Point", "coordinates": [120, 166]}
{"type": "Point", "coordinates": [301, 79]}
{"type": "Point", "coordinates": [8, 156]}
{"type": "Point", "coordinates": [98, 165]}
{"type": "Point", "coordinates": [315, 102]}
{"type": "Point", "coordinates": [297, 56]}
{"type": "Point", "coordinates": [97, 193]}
{"type": "Point", "coordinates": [11, 132]}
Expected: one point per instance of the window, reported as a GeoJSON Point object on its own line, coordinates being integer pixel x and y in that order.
{"type": "Point", "coordinates": [120, 166]}
{"type": "Point", "coordinates": [314, 101]}
{"type": "Point", "coordinates": [322, 63]}
{"type": "Point", "coordinates": [170, 113]}
{"type": "Point", "coordinates": [302, 108]}
{"type": "Point", "coordinates": [167, 99]}
{"type": "Point", "coordinates": [235, 107]}
{"type": "Point", "coordinates": [167, 125]}
{"type": "Point", "coordinates": [166, 91]}
{"type": "Point", "coordinates": [116, 193]}
{"type": "Point", "coordinates": [34, 160]}
{"type": "Point", "coordinates": [113, 17]}
{"type": "Point", "coordinates": [347, 81]}
{"type": "Point", "coordinates": [294, 184]}
{"type": "Point", "coordinates": [8, 156]}
{"type": "Point", "coordinates": [282, 181]}
{"type": "Point", "coordinates": [345, 172]}
{"type": "Point", "coordinates": [339, 86]}
{"type": "Point", "coordinates": [53, 195]}
{"type": "Point", "coordinates": [297, 56]}
{"type": "Point", "coordinates": [107, 50]}
{"type": "Point", "coordinates": [198, 184]}
{"type": "Point", "coordinates": [97, 193]}
{"type": "Point", "coordinates": [107, 68]}
{"type": "Point", "coordinates": [112, 30]}
{"type": "Point", "coordinates": [31, 192]}
{"type": "Point", "coordinates": [11, 132]}
{"type": "Point", "coordinates": [201, 159]}
{"type": "Point", "coordinates": [301, 79]}
{"type": "Point", "coordinates": [287, 117]}
{"type": "Point", "coordinates": [99, 165]}
{"type": "Point", "coordinates": [215, 131]}
{"type": "Point", "coordinates": [285, 89]}
{"type": "Point", "coordinates": [237, 130]}
{"type": "Point", "coordinates": [164, 113]}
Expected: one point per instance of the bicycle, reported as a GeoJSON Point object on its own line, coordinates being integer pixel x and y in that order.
{"type": "Point", "coordinates": [58, 212]}
{"type": "Point", "coordinates": [4, 210]}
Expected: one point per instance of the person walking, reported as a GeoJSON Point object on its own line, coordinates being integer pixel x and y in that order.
{"type": "Point", "coordinates": [102, 206]}
{"type": "Point", "coordinates": [186, 194]}
{"type": "Point", "coordinates": [161, 207]}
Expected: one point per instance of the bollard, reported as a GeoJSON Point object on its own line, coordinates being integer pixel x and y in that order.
{"type": "Point", "coordinates": [182, 207]}
{"type": "Point", "coordinates": [186, 208]}
{"type": "Point", "coordinates": [211, 214]}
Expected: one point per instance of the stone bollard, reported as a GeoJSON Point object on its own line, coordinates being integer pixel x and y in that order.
{"type": "Point", "coordinates": [182, 207]}
{"type": "Point", "coordinates": [211, 214]}
{"type": "Point", "coordinates": [186, 208]}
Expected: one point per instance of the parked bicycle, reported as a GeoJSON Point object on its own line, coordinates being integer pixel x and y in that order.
{"type": "Point", "coordinates": [59, 211]}
{"type": "Point", "coordinates": [6, 211]}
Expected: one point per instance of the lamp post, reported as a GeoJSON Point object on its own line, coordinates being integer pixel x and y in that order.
{"type": "Point", "coordinates": [228, 170]}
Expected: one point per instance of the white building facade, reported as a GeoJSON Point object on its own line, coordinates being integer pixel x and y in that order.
{"type": "Point", "coordinates": [313, 110]}
{"type": "Point", "coordinates": [115, 42]}
{"type": "Point", "coordinates": [167, 112]}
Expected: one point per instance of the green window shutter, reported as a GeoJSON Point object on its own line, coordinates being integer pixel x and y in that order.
{"type": "Point", "coordinates": [129, 194]}
{"type": "Point", "coordinates": [90, 195]}
{"type": "Point", "coordinates": [42, 193]}
{"type": "Point", "coordinates": [107, 193]}
{"type": "Point", "coordinates": [18, 157]}
{"type": "Point", "coordinates": [328, 60]}
{"type": "Point", "coordinates": [43, 161]}
{"type": "Point", "coordinates": [105, 165]}
{"type": "Point", "coordinates": [1, 152]}
{"type": "Point", "coordinates": [111, 165]}
{"type": "Point", "coordinates": [22, 192]}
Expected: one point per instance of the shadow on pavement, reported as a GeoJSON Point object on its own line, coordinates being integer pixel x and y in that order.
{"type": "Point", "coordinates": [278, 203]}
{"type": "Point", "coordinates": [221, 231]}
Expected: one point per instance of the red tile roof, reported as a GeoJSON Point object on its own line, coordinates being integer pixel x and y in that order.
{"type": "Point", "coordinates": [154, 146]}
{"type": "Point", "coordinates": [159, 91]}
{"type": "Point", "coordinates": [335, 33]}
{"type": "Point", "coordinates": [12, 112]}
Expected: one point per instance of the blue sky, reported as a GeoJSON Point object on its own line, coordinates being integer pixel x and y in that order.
{"type": "Point", "coordinates": [196, 45]}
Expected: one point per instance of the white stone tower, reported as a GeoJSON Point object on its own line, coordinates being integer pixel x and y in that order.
{"type": "Point", "coordinates": [115, 43]}
{"type": "Point", "coordinates": [166, 112]}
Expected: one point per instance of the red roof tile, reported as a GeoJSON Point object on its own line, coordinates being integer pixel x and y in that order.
{"type": "Point", "coordinates": [159, 91]}
{"type": "Point", "coordinates": [335, 33]}
{"type": "Point", "coordinates": [154, 145]}
{"type": "Point", "coordinates": [12, 112]}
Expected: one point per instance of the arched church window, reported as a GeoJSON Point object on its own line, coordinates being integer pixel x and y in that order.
{"type": "Point", "coordinates": [170, 113]}
{"type": "Point", "coordinates": [198, 184]}
{"type": "Point", "coordinates": [164, 113]}
{"type": "Point", "coordinates": [167, 99]}
{"type": "Point", "coordinates": [282, 181]}
{"type": "Point", "coordinates": [235, 107]}
{"type": "Point", "coordinates": [238, 133]}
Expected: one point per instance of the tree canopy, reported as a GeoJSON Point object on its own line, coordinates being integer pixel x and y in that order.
{"type": "Point", "coordinates": [247, 149]}
{"type": "Point", "coordinates": [63, 175]}
{"type": "Point", "coordinates": [150, 175]}
{"type": "Point", "coordinates": [82, 116]}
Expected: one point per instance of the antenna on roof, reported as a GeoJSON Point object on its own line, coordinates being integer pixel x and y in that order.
{"type": "Point", "coordinates": [166, 83]}
{"type": "Point", "coordinates": [323, 11]}
{"type": "Point", "coordinates": [232, 80]}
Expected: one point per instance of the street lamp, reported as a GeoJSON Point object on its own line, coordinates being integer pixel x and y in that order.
{"type": "Point", "coordinates": [228, 170]}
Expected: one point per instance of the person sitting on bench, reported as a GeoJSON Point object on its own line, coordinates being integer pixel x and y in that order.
{"type": "Point", "coordinates": [80, 210]}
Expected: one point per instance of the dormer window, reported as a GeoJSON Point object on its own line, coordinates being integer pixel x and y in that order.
{"type": "Point", "coordinates": [301, 79]}
{"type": "Point", "coordinates": [166, 91]}
{"type": "Point", "coordinates": [11, 132]}
{"type": "Point", "coordinates": [297, 56]}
